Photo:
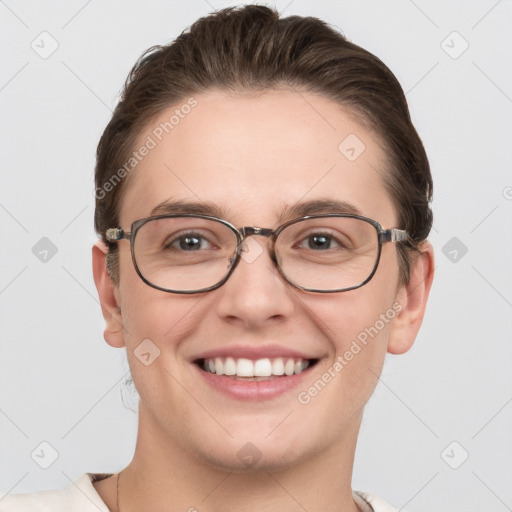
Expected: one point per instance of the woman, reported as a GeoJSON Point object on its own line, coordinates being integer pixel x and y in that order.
{"type": "Point", "coordinates": [263, 207]}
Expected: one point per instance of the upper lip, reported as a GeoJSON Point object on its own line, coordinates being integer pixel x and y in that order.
{"type": "Point", "coordinates": [254, 353]}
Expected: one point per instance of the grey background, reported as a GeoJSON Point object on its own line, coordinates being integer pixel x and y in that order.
{"type": "Point", "coordinates": [59, 381]}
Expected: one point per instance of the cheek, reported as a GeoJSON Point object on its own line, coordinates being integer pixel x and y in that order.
{"type": "Point", "coordinates": [162, 317]}
{"type": "Point", "coordinates": [357, 328]}
{"type": "Point", "coordinates": [356, 325]}
{"type": "Point", "coordinates": [358, 336]}
{"type": "Point", "coordinates": [361, 315]}
{"type": "Point", "coordinates": [157, 326]}
{"type": "Point", "coordinates": [150, 314]}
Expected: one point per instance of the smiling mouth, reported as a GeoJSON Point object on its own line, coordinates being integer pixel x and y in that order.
{"type": "Point", "coordinates": [255, 370]}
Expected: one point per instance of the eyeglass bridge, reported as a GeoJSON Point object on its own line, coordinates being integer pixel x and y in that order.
{"type": "Point", "coordinates": [250, 230]}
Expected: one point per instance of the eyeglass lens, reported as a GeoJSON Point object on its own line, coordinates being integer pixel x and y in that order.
{"type": "Point", "coordinates": [189, 253]}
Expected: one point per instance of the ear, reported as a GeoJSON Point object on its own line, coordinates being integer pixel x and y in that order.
{"type": "Point", "coordinates": [413, 299]}
{"type": "Point", "coordinates": [108, 293]}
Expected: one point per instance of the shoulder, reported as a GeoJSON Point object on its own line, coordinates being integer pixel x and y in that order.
{"type": "Point", "coordinates": [79, 495]}
{"type": "Point", "coordinates": [370, 503]}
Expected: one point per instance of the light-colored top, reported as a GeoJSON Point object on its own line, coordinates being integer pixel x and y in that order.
{"type": "Point", "coordinates": [81, 496]}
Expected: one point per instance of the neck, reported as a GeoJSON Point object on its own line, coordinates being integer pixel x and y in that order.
{"type": "Point", "coordinates": [165, 476]}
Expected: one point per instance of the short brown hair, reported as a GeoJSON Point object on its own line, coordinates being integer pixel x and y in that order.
{"type": "Point", "coordinates": [252, 48]}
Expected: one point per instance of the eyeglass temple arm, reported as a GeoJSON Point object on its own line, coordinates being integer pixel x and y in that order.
{"type": "Point", "coordinates": [116, 234]}
{"type": "Point", "coordinates": [395, 235]}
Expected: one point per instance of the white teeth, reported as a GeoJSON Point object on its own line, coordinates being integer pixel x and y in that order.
{"type": "Point", "coordinates": [278, 366]}
{"type": "Point", "coordinates": [266, 367]}
{"type": "Point", "coordinates": [289, 367]}
{"type": "Point", "coordinates": [219, 366]}
{"type": "Point", "coordinates": [244, 368]}
{"type": "Point", "coordinates": [230, 367]}
{"type": "Point", "coordinates": [301, 365]}
{"type": "Point", "coordinates": [263, 368]}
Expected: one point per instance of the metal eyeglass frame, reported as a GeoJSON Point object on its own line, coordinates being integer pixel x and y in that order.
{"type": "Point", "coordinates": [392, 235]}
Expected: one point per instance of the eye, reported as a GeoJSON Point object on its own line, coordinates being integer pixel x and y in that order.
{"type": "Point", "coordinates": [188, 242]}
{"type": "Point", "coordinates": [320, 242]}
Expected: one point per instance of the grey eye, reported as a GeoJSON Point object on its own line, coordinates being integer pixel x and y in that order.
{"type": "Point", "coordinates": [188, 242]}
{"type": "Point", "coordinates": [319, 241]}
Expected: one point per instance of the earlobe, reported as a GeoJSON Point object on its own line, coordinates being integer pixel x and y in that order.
{"type": "Point", "coordinates": [108, 295]}
{"type": "Point", "coordinates": [413, 300]}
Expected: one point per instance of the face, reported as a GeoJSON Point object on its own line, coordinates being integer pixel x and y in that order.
{"type": "Point", "coordinates": [254, 157]}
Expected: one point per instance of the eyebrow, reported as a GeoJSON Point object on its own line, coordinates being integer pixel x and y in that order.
{"type": "Point", "coordinates": [317, 207]}
{"type": "Point", "coordinates": [301, 209]}
{"type": "Point", "coordinates": [193, 207]}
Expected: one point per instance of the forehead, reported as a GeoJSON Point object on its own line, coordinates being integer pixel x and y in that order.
{"type": "Point", "coordinates": [255, 156]}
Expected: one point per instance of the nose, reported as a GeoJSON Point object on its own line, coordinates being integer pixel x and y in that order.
{"type": "Point", "coordinates": [255, 294]}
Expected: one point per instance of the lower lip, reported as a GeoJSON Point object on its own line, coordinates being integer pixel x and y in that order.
{"type": "Point", "coordinates": [251, 389]}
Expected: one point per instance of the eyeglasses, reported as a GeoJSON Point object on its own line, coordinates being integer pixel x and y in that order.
{"type": "Point", "coordinates": [187, 253]}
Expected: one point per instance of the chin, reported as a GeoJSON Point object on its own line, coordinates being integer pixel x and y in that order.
{"type": "Point", "coordinates": [248, 457]}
